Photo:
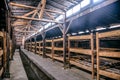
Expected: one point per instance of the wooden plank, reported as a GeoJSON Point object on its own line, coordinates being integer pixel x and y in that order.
{"type": "Point", "coordinates": [58, 49]}
{"type": "Point", "coordinates": [1, 71]}
{"type": "Point", "coordinates": [49, 55]}
{"type": "Point", "coordinates": [58, 58]}
{"type": "Point", "coordinates": [109, 74]}
{"type": "Point", "coordinates": [98, 59]}
{"type": "Point", "coordinates": [109, 34]}
{"type": "Point", "coordinates": [1, 34]}
{"type": "Point", "coordinates": [59, 39]}
{"type": "Point", "coordinates": [81, 51]}
{"type": "Point", "coordinates": [81, 65]}
{"type": "Point", "coordinates": [110, 49]}
{"type": "Point", "coordinates": [80, 37]}
{"type": "Point", "coordinates": [48, 40]}
{"type": "Point", "coordinates": [1, 53]}
{"type": "Point", "coordinates": [36, 19]}
{"type": "Point", "coordinates": [43, 3]}
{"type": "Point", "coordinates": [48, 48]}
{"type": "Point", "coordinates": [109, 54]}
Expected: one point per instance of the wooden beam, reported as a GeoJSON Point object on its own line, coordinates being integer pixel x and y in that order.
{"type": "Point", "coordinates": [42, 6]}
{"type": "Point", "coordinates": [29, 13]}
{"type": "Point", "coordinates": [43, 20]}
{"type": "Point", "coordinates": [31, 7]}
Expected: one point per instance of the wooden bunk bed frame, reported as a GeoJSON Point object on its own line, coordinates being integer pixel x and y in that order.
{"type": "Point", "coordinates": [3, 54]}
{"type": "Point", "coordinates": [49, 48]}
{"type": "Point", "coordinates": [82, 51]}
{"type": "Point", "coordinates": [55, 56]}
{"type": "Point", "coordinates": [106, 52]}
{"type": "Point", "coordinates": [39, 47]}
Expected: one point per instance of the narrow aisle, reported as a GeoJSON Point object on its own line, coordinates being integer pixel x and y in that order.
{"type": "Point", "coordinates": [17, 71]}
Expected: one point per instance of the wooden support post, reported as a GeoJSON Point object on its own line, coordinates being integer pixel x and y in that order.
{"type": "Point", "coordinates": [64, 42]}
{"type": "Point", "coordinates": [31, 44]}
{"type": "Point", "coordinates": [7, 71]}
{"type": "Point", "coordinates": [35, 45]}
{"type": "Point", "coordinates": [44, 51]}
{"type": "Point", "coordinates": [69, 51]}
{"type": "Point", "coordinates": [53, 49]}
{"type": "Point", "coordinates": [92, 56]}
{"type": "Point", "coordinates": [98, 62]}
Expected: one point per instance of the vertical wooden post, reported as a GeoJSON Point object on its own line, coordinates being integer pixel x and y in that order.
{"type": "Point", "coordinates": [53, 49]}
{"type": "Point", "coordinates": [44, 52]}
{"type": "Point", "coordinates": [4, 52]}
{"type": "Point", "coordinates": [35, 45]}
{"type": "Point", "coordinates": [31, 44]}
{"type": "Point", "coordinates": [39, 47]}
{"type": "Point", "coordinates": [6, 72]}
{"type": "Point", "coordinates": [92, 52]}
{"type": "Point", "coordinates": [98, 62]}
{"type": "Point", "coordinates": [64, 41]}
{"type": "Point", "coordinates": [69, 50]}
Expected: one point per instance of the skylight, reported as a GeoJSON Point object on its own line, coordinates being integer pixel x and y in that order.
{"type": "Point", "coordinates": [96, 1]}
{"type": "Point", "coordinates": [76, 8]}
{"type": "Point", "coordinates": [69, 12]}
{"type": "Point", "coordinates": [84, 3]}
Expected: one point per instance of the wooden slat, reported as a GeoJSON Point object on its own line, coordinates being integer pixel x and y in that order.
{"type": "Point", "coordinates": [1, 52]}
{"type": "Point", "coordinates": [1, 71]}
{"type": "Point", "coordinates": [81, 65]}
{"type": "Point", "coordinates": [48, 47]}
{"type": "Point", "coordinates": [58, 58]}
{"type": "Point", "coordinates": [111, 49]}
{"type": "Point", "coordinates": [49, 55]}
{"type": "Point", "coordinates": [81, 51]}
{"type": "Point", "coordinates": [109, 34]}
{"type": "Point", "coordinates": [109, 54]}
{"type": "Point", "coordinates": [48, 40]}
{"type": "Point", "coordinates": [58, 49]}
{"type": "Point", "coordinates": [109, 74]}
{"type": "Point", "coordinates": [1, 34]}
{"type": "Point", "coordinates": [80, 37]}
{"type": "Point", "coordinates": [60, 39]}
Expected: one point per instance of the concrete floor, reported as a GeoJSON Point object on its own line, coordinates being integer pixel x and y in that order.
{"type": "Point", "coordinates": [17, 71]}
{"type": "Point", "coordinates": [55, 69]}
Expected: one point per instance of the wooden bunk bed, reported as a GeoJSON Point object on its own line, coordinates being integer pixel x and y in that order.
{"type": "Point", "coordinates": [107, 65]}
{"type": "Point", "coordinates": [3, 50]}
{"type": "Point", "coordinates": [58, 49]}
{"type": "Point", "coordinates": [49, 48]}
{"type": "Point", "coordinates": [33, 46]}
{"type": "Point", "coordinates": [80, 56]}
{"type": "Point", "coordinates": [39, 47]}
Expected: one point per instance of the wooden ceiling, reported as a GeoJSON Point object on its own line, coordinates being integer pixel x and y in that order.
{"type": "Point", "coordinates": [28, 16]}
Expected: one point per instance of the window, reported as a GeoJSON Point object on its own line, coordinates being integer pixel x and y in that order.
{"type": "Point", "coordinates": [59, 18]}
{"type": "Point", "coordinates": [84, 3]}
{"type": "Point", "coordinates": [76, 8]}
{"type": "Point", "coordinates": [69, 13]}
{"type": "Point", "coordinates": [96, 1]}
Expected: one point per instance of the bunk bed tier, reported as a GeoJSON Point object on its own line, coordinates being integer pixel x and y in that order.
{"type": "Point", "coordinates": [89, 68]}
{"type": "Point", "coordinates": [109, 34]}
{"type": "Point", "coordinates": [48, 47]}
{"type": "Point", "coordinates": [109, 54]}
{"type": "Point", "coordinates": [109, 74]}
{"type": "Point", "coordinates": [80, 37]}
{"type": "Point", "coordinates": [1, 34]}
{"type": "Point", "coordinates": [58, 48]}
{"type": "Point", "coordinates": [81, 51]}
